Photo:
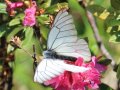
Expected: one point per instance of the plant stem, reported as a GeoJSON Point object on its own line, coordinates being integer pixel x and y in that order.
{"type": "Point", "coordinates": [97, 36]}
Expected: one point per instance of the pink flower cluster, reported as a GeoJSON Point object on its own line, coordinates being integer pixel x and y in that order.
{"type": "Point", "coordinates": [12, 6]}
{"type": "Point", "coordinates": [79, 81]}
{"type": "Point", "coordinates": [30, 19]}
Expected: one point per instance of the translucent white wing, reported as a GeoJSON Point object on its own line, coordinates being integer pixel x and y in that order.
{"type": "Point", "coordinates": [79, 48]}
{"type": "Point", "coordinates": [63, 38]}
{"type": "Point", "coordinates": [49, 68]}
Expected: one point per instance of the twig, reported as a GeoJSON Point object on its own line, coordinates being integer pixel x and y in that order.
{"type": "Point", "coordinates": [97, 36]}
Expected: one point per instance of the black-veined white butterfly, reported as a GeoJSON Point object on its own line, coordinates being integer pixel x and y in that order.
{"type": "Point", "coordinates": [63, 44]}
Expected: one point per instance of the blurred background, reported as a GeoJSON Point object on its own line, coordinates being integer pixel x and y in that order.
{"type": "Point", "coordinates": [16, 66]}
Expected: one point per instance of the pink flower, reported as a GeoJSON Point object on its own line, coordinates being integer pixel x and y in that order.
{"type": "Point", "coordinates": [91, 77]}
{"type": "Point", "coordinates": [77, 81]}
{"type": "Point", "coordinates": [12, 6]}
{"type": "Point", "coordinates": [29, 19]}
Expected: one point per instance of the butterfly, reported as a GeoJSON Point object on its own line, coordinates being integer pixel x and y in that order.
{"type": "Point", "coordinates": [63, 44]}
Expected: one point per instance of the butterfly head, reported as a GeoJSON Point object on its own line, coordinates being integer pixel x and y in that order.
{"type": "Point", "coordinates": [49, 54]}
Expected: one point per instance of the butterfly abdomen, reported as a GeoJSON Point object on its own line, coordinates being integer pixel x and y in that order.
{"type": "Point", "coordinates": [53, 55]}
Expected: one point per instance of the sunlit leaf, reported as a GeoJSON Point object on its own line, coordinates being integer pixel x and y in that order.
{"type": "Point", "coordinates": [24, 61]}
{"type": "Point", "coordinates": [46, 4]}
{"type": "Point", "coordinates": [56, 7]}
{"type": "Point", "coordinates": [13, 32]}
{"type": "Point", "coordinates": [99, 11]}
{"type": "Point", "coordinates": [113, 38]}
{"type": "Point", "coordinates": [15, 21]}
{"type": "Point", "coordinates": [28, 36]}
{"type": "Point", "coordinates": [112, 21]}
{"type": "Point", "coordinates": [115, 34]}
{"type": "Point", "coordinates": [3, 8]}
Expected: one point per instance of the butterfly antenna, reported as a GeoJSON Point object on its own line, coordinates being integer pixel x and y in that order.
{"type": "Point", "coordinates": [35, 59]}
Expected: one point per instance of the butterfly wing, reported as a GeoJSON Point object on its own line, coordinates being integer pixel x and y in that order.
{"type": "Point", "coordinates": [63, 38]}
{"type": "Point", "coordinates": [49, 68]}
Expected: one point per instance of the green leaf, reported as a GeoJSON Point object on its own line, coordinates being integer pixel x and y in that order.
{"type": "Point", "coordinates": [76, 8]}
{"type": "Point", "coordinates": [28, 36]}
{"type": "Point", "coordinates": [113, 38]}
{"type": "Point", "coordinates": [118, 72]}
{"type": "Point", "coordinates": [44, 31]}
{"type": "Point", "coordinates": [13, 32]}
{"type": "Point", "coordinates": [115, 34]}
{"type": "Point", "coordinates": [99, 11]}
{"type": "Point", "coordinates": [105, 62]}
{"type": "Point", "coordinates": [3, 8]}
{"type": "Point", "coordinates": [56, 8]}
{"type": "Point", "coordinates": [46, 4]}
{"type": "Point", "coordinates": [14, 22]}
{"type": "Point", "coordinates": [115, 4]}
{"type": "Point", "coordinates": [96, 9]}
{"type": "Point", "coordinates": [112, 20]}
{"type": "Point", "coordinates": [20, 16]}
{"type": "Point", "coordinates": [23, 71]}
{"type": "Point", "coordinates": [3, 29]}
{"type": "Point", "coordinates": [104, 87]}
{"type": "Point", "coordinates": [43, 19]}
{"type": "Point", "coordinates": [55, 1]}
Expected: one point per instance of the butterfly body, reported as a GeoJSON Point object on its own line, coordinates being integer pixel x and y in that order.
{"type": "Point", "coordinates": [53, 55]}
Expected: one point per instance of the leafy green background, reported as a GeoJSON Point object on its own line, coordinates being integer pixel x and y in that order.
{"type": "Point", "coordinates": [107, 17]}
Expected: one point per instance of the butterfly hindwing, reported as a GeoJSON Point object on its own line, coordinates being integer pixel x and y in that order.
{"type": "Point", "coordinates": [49, 68]}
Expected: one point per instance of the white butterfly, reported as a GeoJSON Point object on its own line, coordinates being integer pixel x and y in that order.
{"type": "Point", "coordinates": [62, 43]}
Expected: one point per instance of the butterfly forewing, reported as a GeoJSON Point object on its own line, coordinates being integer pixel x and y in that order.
{"type": "Point", "coordinates": [76, 49]}
{"type": "Point", "coordinates": [60, 15]}
{"type": "Point", "coordinates": [63, 38]}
